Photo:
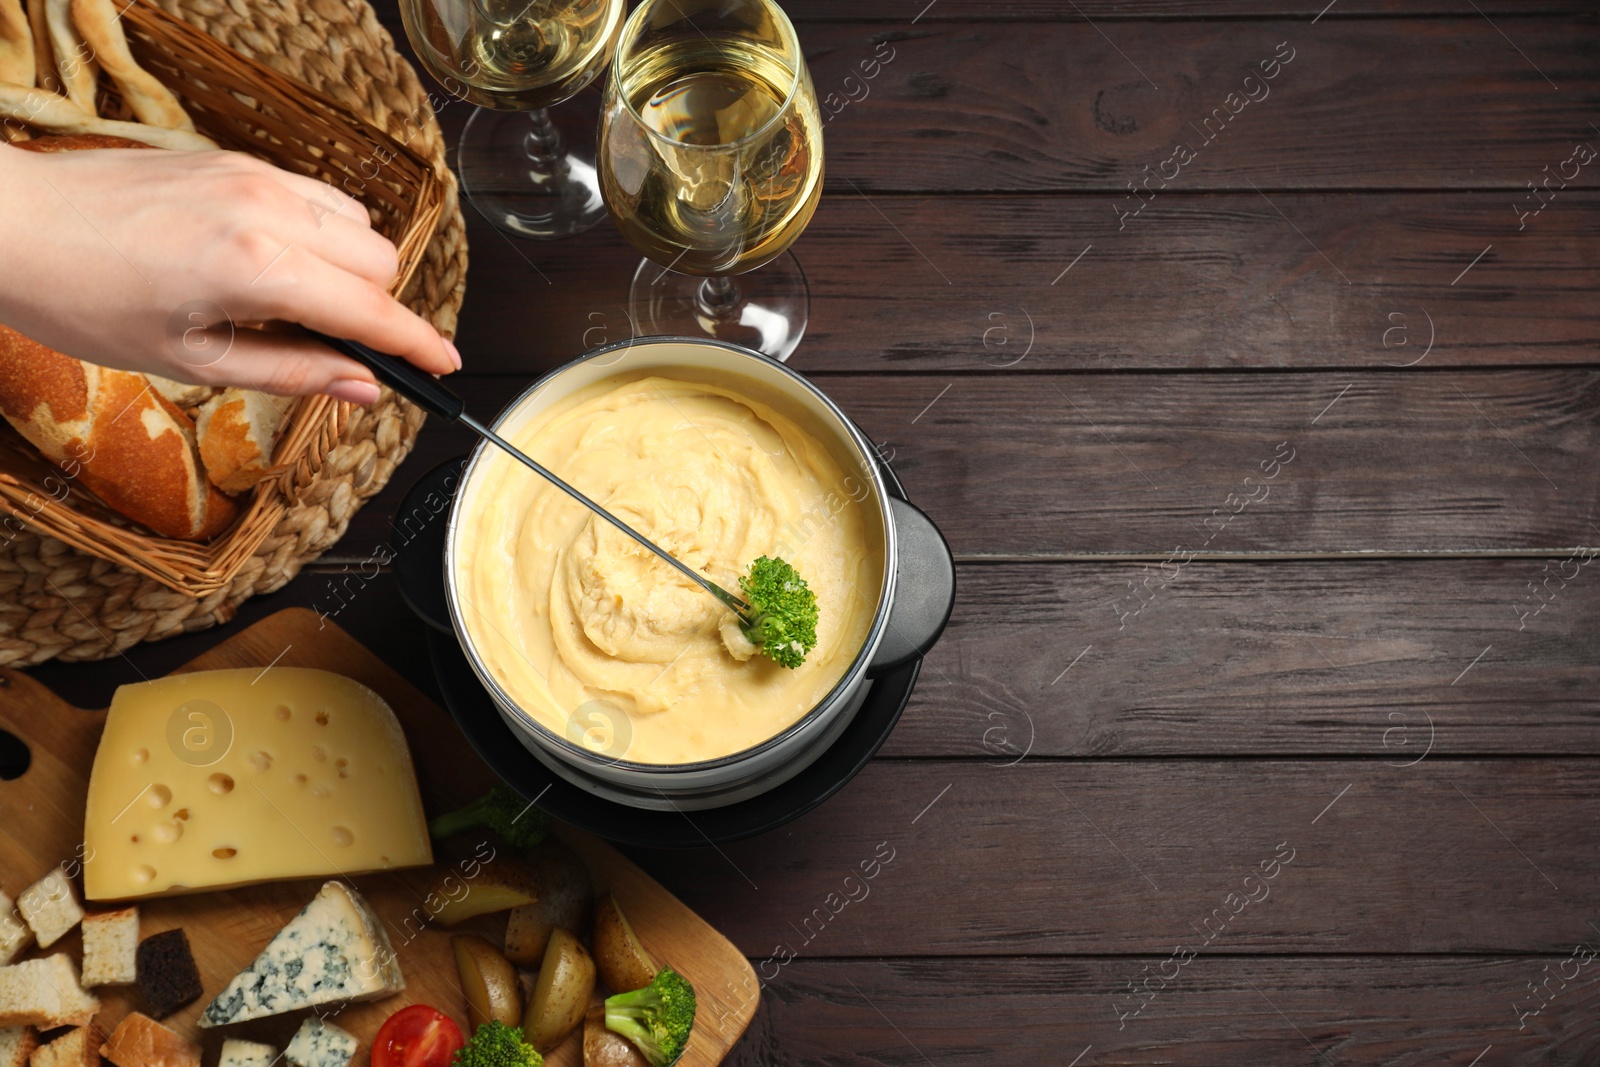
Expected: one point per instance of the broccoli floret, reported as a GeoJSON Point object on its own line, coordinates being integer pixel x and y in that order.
{"type": "Point", "coordinates": [785, 609]}
{"type": "Point", "coordinates": [657, 1018]}
{"type": "Point", "coordinates": [494, 1044]}
{"type": "Point", "coordinates": [501, 810]}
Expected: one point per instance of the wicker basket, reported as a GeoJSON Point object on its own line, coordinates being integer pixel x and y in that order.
{"type": "Point", "coordinates": [84, 583]}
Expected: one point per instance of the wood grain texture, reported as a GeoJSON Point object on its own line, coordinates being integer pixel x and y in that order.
{"type": "Point", "coordinates": [1375, 659]}
{"type": "Point", "coordinates": [41, 823]}
{"type": "Point", "coordinates": [997, 285]}
{"type": "Point", "coordinates": [1063, 106]}
{"type": "Point", "coordinates": [1220, 1012]}
{"type": "Point", "coordinates": [1118, 857]}
{"type": "Point", "coordinates": [1228, 660]}
{"type": "Point", "coordinates": [1049, 467]}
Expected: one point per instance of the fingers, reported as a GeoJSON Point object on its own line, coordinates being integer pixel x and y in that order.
{"type": "Point", "coordinates": [287, 365]}
{"type": "Point", "coordinates": [353, 248]}
{"type": "Point", "coordinates": [322, 200]}
{"type": "Point", "coordinates": [301, 287]}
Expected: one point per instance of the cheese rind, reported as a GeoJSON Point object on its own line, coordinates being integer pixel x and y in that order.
{"type": "Point", "coordinates": [226, 778]}
{"type": "Point", "coordinates": [320, 1044]}
{"type": "Point", "coordinates": [334, 950]}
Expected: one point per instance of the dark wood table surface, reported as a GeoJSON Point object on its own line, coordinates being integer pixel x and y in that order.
{"type": "Point", "coordinates": [1265, 729]}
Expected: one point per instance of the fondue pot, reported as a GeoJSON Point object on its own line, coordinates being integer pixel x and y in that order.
{"type": "Point", "coordinates": [913, 601]}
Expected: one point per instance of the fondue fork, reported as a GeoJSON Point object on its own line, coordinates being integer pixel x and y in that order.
{"type": "Point", "coordinates": [426, 391]}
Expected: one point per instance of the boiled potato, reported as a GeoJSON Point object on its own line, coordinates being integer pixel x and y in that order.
{"type": "Point", "coordinates": [624, 964]}
{"type": "Point", "coordinates": [489, 980]}
{"type": "Point", "coordinates": [602, 1047]}
{"type": "Point", "coordinates": [500, 885]}
{"type": "Point", "coordinates": [564, 899]}
{"type": "Point", "coordinates": [566, 981]}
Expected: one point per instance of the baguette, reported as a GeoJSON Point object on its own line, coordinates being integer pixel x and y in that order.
{"type": "Point", "coordinates": [44, 63]}
{"type": "Point", "coordinates": [71, 142]}
{"type": "Point", "coordinates": [183, 394]}
{"type": "Point", "coordinates": [75, 62]}
{"type": "Point", "coordinates": [16, 45]}
{"type": "Point", "coordinates": [57, 114]}
{"type": "Point", "coordinates": [150, 101]}
{"type": "Point", "coordinates": [124, 441]}
{"type": "Point", "coordinates": [237, 430]}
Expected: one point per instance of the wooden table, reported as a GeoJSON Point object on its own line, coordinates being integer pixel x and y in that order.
{"type": "Point", "coordinates": [1268, 484]}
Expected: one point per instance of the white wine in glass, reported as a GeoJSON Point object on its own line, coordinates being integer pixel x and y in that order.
{"type": "Point", "coordinates": [514, 59]}
{"type": "Point", "coordinates": [711, 165]}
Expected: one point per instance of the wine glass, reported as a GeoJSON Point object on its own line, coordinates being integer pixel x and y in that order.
{"type": "Point", "coordinates": [514, 59]}
{"type": "Point", "coordinates": [711, 165]}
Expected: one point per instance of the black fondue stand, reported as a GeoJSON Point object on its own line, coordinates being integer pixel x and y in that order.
{"type": "Point", "coordinates": [419, 566]}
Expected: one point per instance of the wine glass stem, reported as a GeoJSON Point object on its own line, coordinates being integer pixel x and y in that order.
{"type": "Point", "coordinates": [544, 140]}
{"type": "Point", "coordinates": [718, 296]}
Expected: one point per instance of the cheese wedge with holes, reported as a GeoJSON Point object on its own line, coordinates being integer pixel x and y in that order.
{"type": "Point", "coordinates": [216, 779]}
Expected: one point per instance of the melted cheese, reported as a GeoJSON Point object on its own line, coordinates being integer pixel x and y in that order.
{"type": "Point", "coordinates": [609, 646]}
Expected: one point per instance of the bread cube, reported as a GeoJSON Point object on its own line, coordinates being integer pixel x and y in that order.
{"type": "Point", "coordinates": [50, 907]}
{"type": "Point", "coordinates": [15, 936]}
{"type": "Point", "coordinates": [111, 947]}
{"type": "Point", "coordinates": [44, 993]}
{"type": "Point", "coordinates": [140, 1041]}
{"type": "Point", "coordinates": [17, 1044]}
{"type": "Point", "coordinates": [75, 1048]}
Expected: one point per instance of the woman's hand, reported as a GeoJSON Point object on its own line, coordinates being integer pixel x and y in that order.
{"type": "Point", "coordinates": [162, 261]}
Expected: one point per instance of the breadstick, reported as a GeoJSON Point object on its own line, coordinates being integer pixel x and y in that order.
{"type": "Point", "coordinates": [57, 114]}
{"type": "Point", "coordinates": [152, 102]}
{"type": "Point", "coordinates": [44, 62]}
{"type": "Point", "coordinates": [16, 44]}
{"type": "Point", "coordinates": [75, 64]}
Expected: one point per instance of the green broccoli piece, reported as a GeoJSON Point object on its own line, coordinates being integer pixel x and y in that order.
{"type": "Point", "coordinates": [785, 611]}
{"type": "Point", "coordinates": [502, 810]}
{"type": "Point", "coordinates": [657, 1018]}
{"type": "Point", "coordinates": [494, 1044]}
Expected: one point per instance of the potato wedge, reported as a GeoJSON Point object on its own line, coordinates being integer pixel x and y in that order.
{"type": "Point", "coordinates": [565, 900]}
{"type": "Point", "coordinates": [503, 883]}
{"type": "Point", "coordinates": [489, 980]}
{"type": "Point", "coordinates": [623, 963]}
{"type": "Point", "coordinates": [604, 1048]}
{"type": "Point", "coordinates": [566, 981]}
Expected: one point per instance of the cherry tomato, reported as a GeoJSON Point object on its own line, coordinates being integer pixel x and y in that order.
{"type": "Point", "coordinates": [417, 1036]}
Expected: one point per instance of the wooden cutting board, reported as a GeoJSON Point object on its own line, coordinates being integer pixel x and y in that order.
{"type": "Point", "coordinates": [41, 826]}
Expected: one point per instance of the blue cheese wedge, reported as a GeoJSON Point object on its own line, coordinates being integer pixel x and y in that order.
{"type": "Point", "coordinates": [236, 1053]}
{"type": "Point", "coordinates": [320, 1044]}
{"type": "Point", "coordinates": [334, 950]}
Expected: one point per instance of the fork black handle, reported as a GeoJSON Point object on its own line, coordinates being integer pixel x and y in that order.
{"type": "Point", "coordinates": [409, 380]}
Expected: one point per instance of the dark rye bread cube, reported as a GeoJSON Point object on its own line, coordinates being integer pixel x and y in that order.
{"type": "Point", "coordinates": [168, 977]}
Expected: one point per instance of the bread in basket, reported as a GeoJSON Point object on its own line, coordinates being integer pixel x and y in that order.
{"type": "Point", "coordinates": [79, 581]}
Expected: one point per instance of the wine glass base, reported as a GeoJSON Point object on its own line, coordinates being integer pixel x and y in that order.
{"type": "Point", "coordinates": [767, 310]}
{"type": "Point", "coordinates": [527, 175]}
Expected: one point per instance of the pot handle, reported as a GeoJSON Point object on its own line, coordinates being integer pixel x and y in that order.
{"type": "Point", "coordinates": [924, 591]}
